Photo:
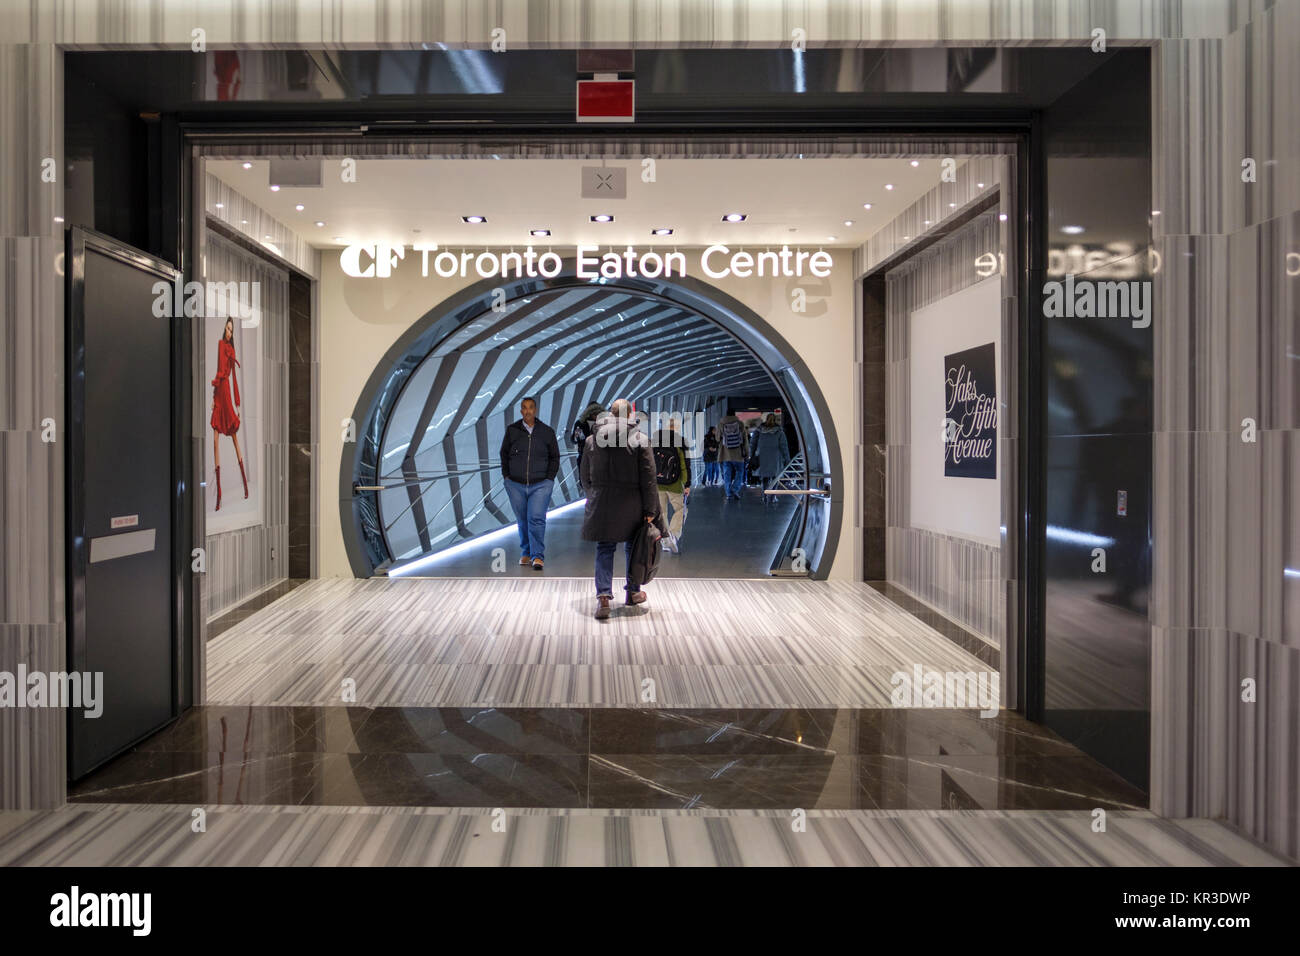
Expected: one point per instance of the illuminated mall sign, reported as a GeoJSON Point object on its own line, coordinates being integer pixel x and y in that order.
{"type": "Point", "coordinates": [379, 260]}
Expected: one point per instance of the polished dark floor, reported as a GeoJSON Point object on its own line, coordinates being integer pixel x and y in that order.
{"type": "Point", "coordinates": [720, 539]}
{"type": "Point", "coordinates": [607, 758]}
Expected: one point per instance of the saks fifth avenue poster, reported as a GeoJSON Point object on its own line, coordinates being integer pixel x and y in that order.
{"type": "Point", "coordinates": [971, 413]}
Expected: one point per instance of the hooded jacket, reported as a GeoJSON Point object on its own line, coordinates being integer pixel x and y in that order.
{"type": "Point", "coordinates": [583, 429]}
{"type": "Point", "coordinates": [773, 451]}
{"type": "Point", "coordinates": [618, 474]}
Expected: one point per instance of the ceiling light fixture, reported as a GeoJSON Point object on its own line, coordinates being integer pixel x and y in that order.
{"type": "Point", "coordinates": [915, 163]}
{"type": "Point", "coordinates": [473, 219]}
{"type": "Point", "coordinates": [830, 238]}
{"type": "Point", "coordinates": [339, 239]}
{"type": "Point", "coordinates": [248, 165]}
{"type": "Point", "coordinates": [661, 231]}
{"type": "Point", "coordinates": [300, 207]}
{"type": "Point", "coordinates": [539, 232]}
{"type": "Point", "coordinates": [602, 217]}
{"type": "Point", "coordinates": [320, 222]}
{"type": "Point", "coordinates": [889, 185]}
{"type": "Point", "coordinates": [1072, 230]}
{"type": "Point", "coordinates": [735, 217]}
{"type": "Point", "coordinates": [866, 205]}
{"type": "Point", "coordinates": [275, 189]}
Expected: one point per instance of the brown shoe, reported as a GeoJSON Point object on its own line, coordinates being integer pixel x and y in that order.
{"type": "Point", "coordinates": [602, 608]}
{"type": "Point", "coordinates": [525, 561]}
{"type": "Point", "coordinates": [635, 597]}
{"type": "Point", "coordinates": [537, 564]}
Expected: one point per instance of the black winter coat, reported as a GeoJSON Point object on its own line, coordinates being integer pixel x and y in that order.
{"type": "Point", "coordinates": [618, 474]}
{"type": "Point", "coordinates": [529, 458]}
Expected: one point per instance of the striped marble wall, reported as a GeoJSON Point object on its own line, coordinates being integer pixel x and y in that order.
{"type": "Point", "coordinates": [1224, 76]}
{"type": "Point", "coordinates": [960, 577]}
{"type": "Point", "coordinates": [1225, 601]}
{"type": "Point", "coordinates": [238, 212]}
{"type": "Point", "coordinates": [240, 563]}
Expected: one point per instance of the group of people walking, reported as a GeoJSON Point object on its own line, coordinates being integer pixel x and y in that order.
{"type": "Point", "coordinates": [734, 453]}
{"type": "Point", "coordinates": [630, 479]}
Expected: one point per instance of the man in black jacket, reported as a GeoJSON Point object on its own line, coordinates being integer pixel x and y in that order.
{"type": "Point", "coordinates": [618, 474]}
{"type": "Point", "coordinates": [530, 460]}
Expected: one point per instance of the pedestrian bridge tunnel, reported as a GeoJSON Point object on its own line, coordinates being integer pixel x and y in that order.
{"type": "Point", "coordinates": [423, 475]}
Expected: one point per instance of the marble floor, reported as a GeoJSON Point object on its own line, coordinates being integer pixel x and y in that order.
{"type": "Point", "coordinates": [532, 642]}
{"type": "Point", "coordinates": [163, 835]}
{"type": "Point", "coordinates": [607, 758]}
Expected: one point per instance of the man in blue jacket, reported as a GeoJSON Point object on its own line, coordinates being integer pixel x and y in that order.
{"type": "Point", "coordinates": [530, 460]}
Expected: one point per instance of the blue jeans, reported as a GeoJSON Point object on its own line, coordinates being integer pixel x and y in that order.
{"type": "Point", "coordinates": [710, 472]}
{"type": "Point", "coordinates": [733, 474]}
{"type": "Point", "coordinates": [529, 503]}
{"type": "Point", "coordinates": [605, 565]}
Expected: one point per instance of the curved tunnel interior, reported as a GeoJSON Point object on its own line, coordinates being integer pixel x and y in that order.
{"type": "Point", "coordinates": [427, 474]}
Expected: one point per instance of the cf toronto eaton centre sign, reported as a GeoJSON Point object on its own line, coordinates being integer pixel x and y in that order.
{"type": "Point", "coordinates": [379, 260]}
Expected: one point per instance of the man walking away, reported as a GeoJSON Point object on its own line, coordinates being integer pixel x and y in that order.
{"type": "Point", "coordinates": [618, 474]}
{"type": "Point", "coordinates": [710, 457]}
{"type": "Point", "coordinates": [530, 460]}
{"type": "Point", "coordinates": [673, 475]}
{"type": "Point", "coordinates": [582, 429]}
{"type": "Point", "coordinates": [733, 452]}
{"type": "Point", "coordinates": [773, 454]}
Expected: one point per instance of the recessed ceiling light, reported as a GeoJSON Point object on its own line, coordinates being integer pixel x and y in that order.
{"type": "Point", "coordinates": [1072, 230]}
{"type": "Point", "coordinates": [734, 217]}
{"type": "Point", "coordinates": [539, 232]}
{"type": "Point", "coordinates": [300, 207]}
{"type": "Point", "coordinates": [275, 189]}
{"type": "Point", "coordinates": [916, 162]}
{"type": "Point", "coordinates": [248, 165]}
{"type": "Point", "coordinates": [848, 222]}
{"type": "Point", "coordinates": [602, 217]}
{"type": "Point", "coordinates": [866, 205]}
{"type": "Point", "coordinates": [889, 185]}
{"type": "Point", "coordinates": [661, 231]}
{"type": "Point", "coordinates": [320, 222]}
{"type": "Point", "coordinates": [220, 205]}
{"type": "Point", "coordinates": [339, 239]}
{"type": "Point", "coordinates": [473, 219]}
{"type": "Point", "coordinates": [830, 238]}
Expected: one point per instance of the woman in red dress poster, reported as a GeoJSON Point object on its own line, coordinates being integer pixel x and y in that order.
{"type": "Point", "coordinates": [225, 420]}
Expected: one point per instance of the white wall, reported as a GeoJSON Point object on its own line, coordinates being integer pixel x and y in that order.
{"type": "Point", "coordinates": [362, 318]}
{"type": "Point", "coordinates": [966, 507]}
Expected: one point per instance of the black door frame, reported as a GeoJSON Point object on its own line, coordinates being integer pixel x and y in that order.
{"type": "Point", "coordinates": [1024, 125]}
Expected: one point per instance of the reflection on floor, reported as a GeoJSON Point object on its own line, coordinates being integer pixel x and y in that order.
{"type": "Point", "coordinates": [250, 607]}
{"type": "Point", "coordinates": [720, 539]}
{"type": "Point", "coordinates": [115, 835]}
{"type": "Point", "coordinates": [653, 759]}
{"type": "Point", "coordinates": [533, 642]}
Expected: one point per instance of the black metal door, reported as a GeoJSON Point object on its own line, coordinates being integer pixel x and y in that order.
{"type": "Point", "coordinates": [118, 494]}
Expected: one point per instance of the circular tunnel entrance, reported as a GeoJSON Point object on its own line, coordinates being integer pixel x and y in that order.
{"type": "Point", "coordinates": [423, 476]}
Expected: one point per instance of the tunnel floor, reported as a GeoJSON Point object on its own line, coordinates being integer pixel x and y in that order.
{"type": "Point", "coordinates": [720, 539]}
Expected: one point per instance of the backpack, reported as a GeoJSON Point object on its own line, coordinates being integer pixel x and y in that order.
{"type": "Point", "coordinates": [668, 466]}
{"type": "Point", "coordinates": [732, 434]}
